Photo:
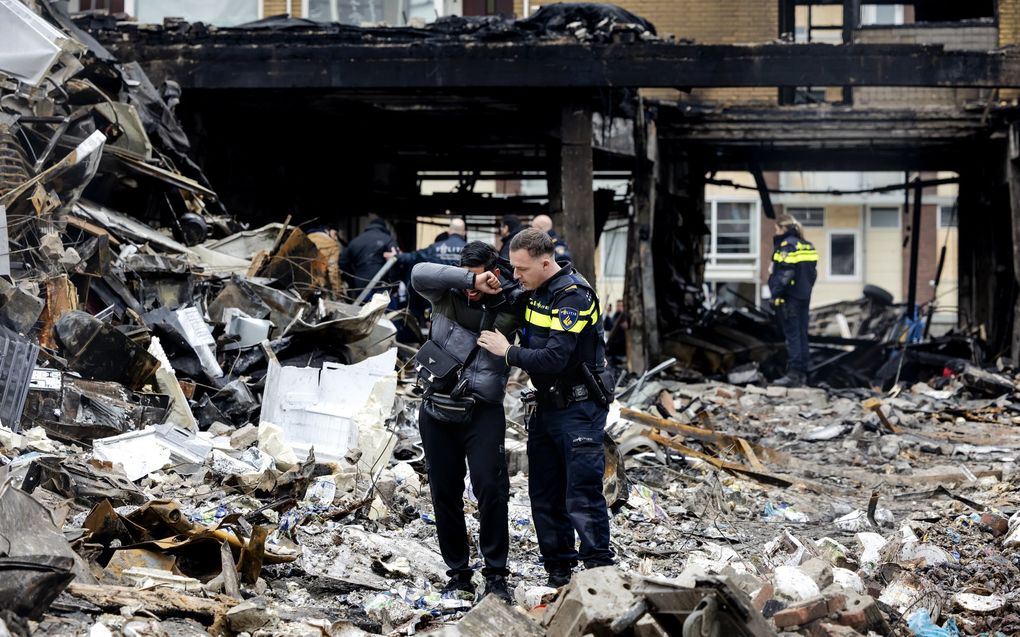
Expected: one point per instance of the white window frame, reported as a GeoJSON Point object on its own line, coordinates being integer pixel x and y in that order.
{"type": "Point", "coordinates": [754, 231]}
{"type": "Point", "coordinates": [858, 255]}
{"type": "Point", "coordinates": [74, 6]}
{"type": "Point", "coordinates": [789, 207]}
{"type": "Point", "coordinates": [869, 15]}
{"type": "Point", "coordinates": [938, 218]}
{"type": "Point", "coordinates": [899, 217]}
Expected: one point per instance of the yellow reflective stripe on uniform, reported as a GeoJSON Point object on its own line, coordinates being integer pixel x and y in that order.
{"type": "Point", "coordinates": [797, 256]}
{"type": "Point", "coordinates": [537, 318]}
{"type": "Point", "coordinates": [575, 328]}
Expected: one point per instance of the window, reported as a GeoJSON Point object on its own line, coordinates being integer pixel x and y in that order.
{"type": "Point", "coordinates": [614, 253]}
{"type": "Point", "coordinates": [391, 12]}
{"type": "Point", "coordinates": [881, 14]}
{"type": "Point", "coordinates": [948, 217]}
{"type": "Point", "coordinates": [842, 255]}
{"type": "Point", "coordinates": [808, 217]}
{"type": "Point", "coordinates": [226, 13]}
{"type": "Point", "coordinates": [885, 217]}
{"type": "Point", "coordinates": [732, 229]}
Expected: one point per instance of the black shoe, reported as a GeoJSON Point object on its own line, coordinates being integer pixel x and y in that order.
{"type": "Point", "coordinates": [790, 380]}
{"type": "Point", "coordinates": [496, 585]}
{"type": "Point", "coordinates": [459, 587]}
{"type": "Point", "coordinates": [558, 579]}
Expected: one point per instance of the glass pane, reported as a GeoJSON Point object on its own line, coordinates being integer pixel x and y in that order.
{"type": "Point", "coordinates": [733, 228]}
{"type": "Point", "coordinates": [358, 11]}
{"type": "Point", "coordinates": [842, 254]}
{"type": "Point", "coordinates": [947, 217]}
{"type": "Point", "coordinates": [614, 253]}
{"type": "Point", "coordinates": [809, 217]}
{"type": "Point", "coordinates": [885, 217]}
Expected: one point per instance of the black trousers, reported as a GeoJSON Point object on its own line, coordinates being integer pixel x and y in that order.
{"type": "Point", "coordinates": [566, 462]}
{"type": "Point", "coordinates": [481, 441]}
{"type": "Point", "coordinates": [793, 318]}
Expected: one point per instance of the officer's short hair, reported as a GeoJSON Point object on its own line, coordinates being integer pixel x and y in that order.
{"type": "Point", "coordinates": [479, 253]}
{"type": "Point", "coordinates": [536, 242]}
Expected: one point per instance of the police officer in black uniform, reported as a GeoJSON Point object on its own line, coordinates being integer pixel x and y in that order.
{"type": "Point", "coordinates": [564, 353]}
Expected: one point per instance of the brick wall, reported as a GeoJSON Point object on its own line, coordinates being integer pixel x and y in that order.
{"type": "Point", "coordinates": [963, 38]}
{"type": "Point", "coordinates": [278, 7]}
{"type": "Point", "coordinates": [707, 22]}
{"type": "Point", "coordinates": [1009, 22]}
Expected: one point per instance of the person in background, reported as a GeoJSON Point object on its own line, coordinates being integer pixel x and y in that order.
{"type": "Point", "coordinates": [363, 257]}
{"type": "Point", "coordinates": [793, 275]}
{"type": "Point", "coordinates": [561, 251]}
{"type": "Point", "coordinates": [446, 250]}
{"type": "Point", "coordinates": [507, 231]}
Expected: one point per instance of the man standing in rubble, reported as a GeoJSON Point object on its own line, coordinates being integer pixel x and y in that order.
{"type": "Point", "coordinates": [545, 224]}
{"type": "Point", "coordinates": [363, 257]}
{"type": "Point", "coordinates": [462, 416]}
{"type": "Point", "coordinates": [794, 270]}
{"type": "Point", "coordinates": [564, 353]}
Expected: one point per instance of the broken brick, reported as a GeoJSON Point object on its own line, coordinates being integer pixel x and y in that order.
{"type": "Point", "coordinates": [803, 613]}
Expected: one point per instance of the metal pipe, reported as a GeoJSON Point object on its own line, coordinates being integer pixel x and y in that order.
{"type": "Point", "coordinates": [375, 279]}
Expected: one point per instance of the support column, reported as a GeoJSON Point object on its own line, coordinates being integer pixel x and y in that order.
{"type": "Point", "coordinates": [573, 174]}
{"type": "Point", "coordinates": [643, 345]}
{"type": "Point", "coordinates": [1013, 181]}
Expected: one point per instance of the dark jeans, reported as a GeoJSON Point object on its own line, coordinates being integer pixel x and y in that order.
{"type": "Point", "coordinates": [481, 442]}
{"type": "Point", "coordinates": [793, 318]}
{"type": "Point", "coordinates": [565, 464]}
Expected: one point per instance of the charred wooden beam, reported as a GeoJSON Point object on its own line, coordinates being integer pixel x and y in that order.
{"type": "Point", "coordinates": [234, 61]}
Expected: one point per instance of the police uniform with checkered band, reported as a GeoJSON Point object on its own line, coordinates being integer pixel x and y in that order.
{"type": "Point", "coordinates": [562, 331]}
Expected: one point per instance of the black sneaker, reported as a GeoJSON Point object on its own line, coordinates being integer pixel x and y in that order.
{"type": "Point", "coordinates": [496, 585]}
{"type": "Point", "coordinates": [558, 579]}
{"type": "Point", "coordinates": [459, 587]}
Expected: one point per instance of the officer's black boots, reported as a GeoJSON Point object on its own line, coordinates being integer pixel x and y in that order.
{"type": "Point", "coordinates": [496, 585]}
{"type": "Point", "coordinates": [460, 587]}
{"type": "Point", "coordinates": [558, 579]}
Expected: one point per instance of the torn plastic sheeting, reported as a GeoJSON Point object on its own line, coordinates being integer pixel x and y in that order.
{"type": "Point", "coordinates": [29, 584]}
{"type": "Point", "coordinates": [17, 362]}
{"type": "Point", "coordinates": [26, 529]}
{"type": "Point", "coordinates": [29, 45]}
{"type": "Point", "coordinates": [335, 409]}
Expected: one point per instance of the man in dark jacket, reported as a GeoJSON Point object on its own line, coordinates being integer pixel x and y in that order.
{"type": "Point", "coordinates": [458, 315]}
{"type": "Point", "coordinates": [511, 226]}
{"type": "Point", "coordinates": [445, 250]}
{"type": "Point", "coordinates": [794, 270]}
{"type": "Point", "coordinates": [363, 257]}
